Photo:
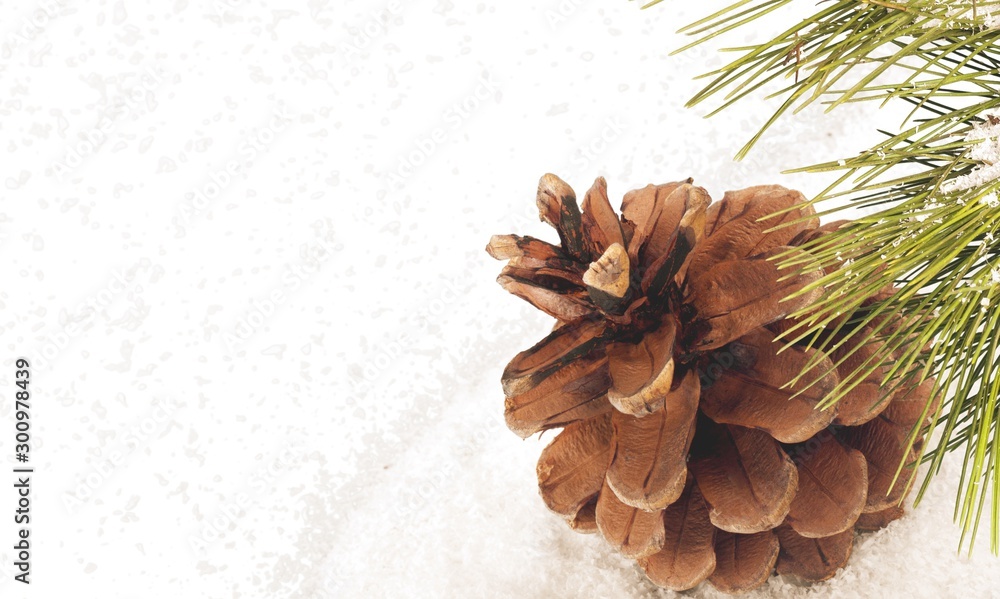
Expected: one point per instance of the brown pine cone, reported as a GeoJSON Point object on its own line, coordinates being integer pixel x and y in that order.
{"type": "Point", "coordinates": [680, 443]}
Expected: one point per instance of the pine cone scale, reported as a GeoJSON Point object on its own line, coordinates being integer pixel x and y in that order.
{"type": "Point", "coordinates": [600, 223]}
{"type": "Point", "coordinates": [574, 391]}
{"type": "Point", "coordinates": [736, 229]}
{"type": "Point", "coordinates": [648, 209]}
{"type": "Point", "coordinates": [571, 469]}
{"type": "Point", "coordinates": [634, 532]}
{"type": "Point", "coordinates": [881, 443]}
{"type": "Point", "coordinates": [558, 349]}
{"type": "Point", "coordinates": [688, 554]}
{"type": "Point", "coordinates": [642, 373]}
{"type": "Point", "coordinates": [833, 488]}
{"type": "Point", "coordinates": [649, 464]}
{"type": "Point", "coordinates": [683, 199]}
{"type": "Point", "coordinates": [812, 559]}
{"type": "Point", "coordinates": [743, 562]}
{"type": "Point", "coordinates": [746, 478]}
{"type": "Point", "coordinates": [557, 206]}
{"type": "Point", "coordinates": [566, 306]}
{"type": "Point", "coordinates": [737, 296]}
{"type": "Point", "coordinates": [751, 393]}
{"type": "Point", "coordinates": [872, 521]}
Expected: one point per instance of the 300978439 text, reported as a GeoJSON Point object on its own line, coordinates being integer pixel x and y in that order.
{"type": "Point", "coordinates": [22, 470]}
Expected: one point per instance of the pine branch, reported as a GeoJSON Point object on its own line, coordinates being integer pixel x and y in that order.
{"type": "Point", "coordinates": [931, 228]}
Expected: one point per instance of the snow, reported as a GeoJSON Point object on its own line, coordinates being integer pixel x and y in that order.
{"type": "Point", "coordinates": [267, 336]}
{"type": "Point", "coordinates": [975, 13]}
{"type": "Point", "coordinates": [984, 147]}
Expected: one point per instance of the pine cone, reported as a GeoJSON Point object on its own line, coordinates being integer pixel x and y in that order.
{"type": "Point", "coordinates": [680, 444]}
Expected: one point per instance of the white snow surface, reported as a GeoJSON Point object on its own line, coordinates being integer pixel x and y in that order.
{"type": "Point", "coordinates": [283, 380]}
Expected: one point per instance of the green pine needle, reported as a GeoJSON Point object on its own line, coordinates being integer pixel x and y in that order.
{"type": "Point", "coordinates": [928, 193]}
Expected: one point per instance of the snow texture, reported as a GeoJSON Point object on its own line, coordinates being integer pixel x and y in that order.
{"type": "Point", "coordinates": [244, 251]}
{"type": "Point", "coordinates": [965, 14]}
{"type": "Point", "coordinates": [984, 148]}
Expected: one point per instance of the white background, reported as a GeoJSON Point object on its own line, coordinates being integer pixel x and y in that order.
{"type": "Point", "coordinates": [295, 391]}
